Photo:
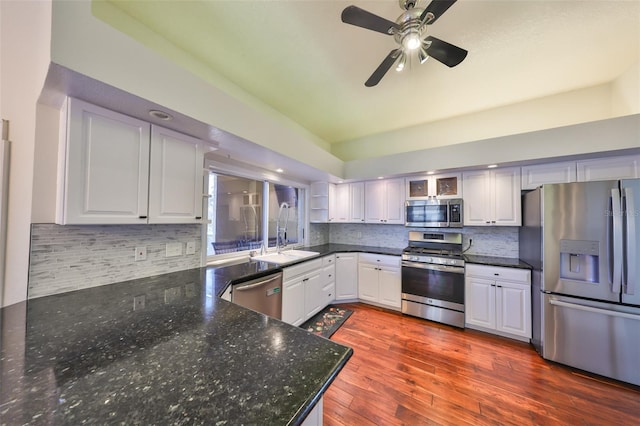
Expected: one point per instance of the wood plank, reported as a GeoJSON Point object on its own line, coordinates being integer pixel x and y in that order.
{"type": "Point", "coordinates": [406, 370]}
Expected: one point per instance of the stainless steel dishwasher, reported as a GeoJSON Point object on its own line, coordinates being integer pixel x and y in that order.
{"type": "Point", "coordinates": [262, 294]}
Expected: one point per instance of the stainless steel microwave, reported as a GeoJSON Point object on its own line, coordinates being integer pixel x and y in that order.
{"type": "Point", "coordinates": [434, 213]}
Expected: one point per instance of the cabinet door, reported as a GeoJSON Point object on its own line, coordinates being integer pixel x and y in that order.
{"type": "Point", "coordinates": [480, 302]}
{"type": "Point", "coordinates": [540, 174]}
{"type": "Point", "coordinates": [394, 201]}
{"type": "Point", "coordinates": [356, 200]}
{"type": "Point", "coordinates": [339, 203]}
{"type": "Point", "coordinates": [446, 186]}
{"type": "Point", "coordinates": [626, 167]}
{"type": "Point", "coordinates": [513, 308]}
{"type": "Point", "coordinates": [368, 287]}
{"type": "Point", "coordinates": [107, 167]}
{"type": "Point", "coordinates": [374, 201]}
{"type": "Point", "coordinates": [476, 198]}
{"type": "Point", "coordinates": [346, 276]}
{"type": "Point", "coordinates": [506, 197]}
{"type": "Point", "coordinates": [176, 177]}
{"type": "Point", "coordinates": [293, 301]}
{"type": "Point", "coordinates": [313, 300]}
{"type": "Point", "coordinates": [390, 287]}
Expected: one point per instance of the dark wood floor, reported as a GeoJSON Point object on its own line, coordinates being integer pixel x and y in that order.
{"type": "Point", "coordinates": [405, 370]}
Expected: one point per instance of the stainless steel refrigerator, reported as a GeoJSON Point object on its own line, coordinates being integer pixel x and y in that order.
{"type": "Point", "coordinates": [582, 241]}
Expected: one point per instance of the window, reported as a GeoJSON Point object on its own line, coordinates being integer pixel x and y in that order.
{"type": "Point", "coordinates": [242, 209]}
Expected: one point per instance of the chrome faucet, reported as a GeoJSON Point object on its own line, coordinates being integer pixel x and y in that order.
{"type": "Point", "coordinates": [281, 231]}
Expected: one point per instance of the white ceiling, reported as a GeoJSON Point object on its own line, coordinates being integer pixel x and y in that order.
{"type": "Point", "coordinates": [299, 58]}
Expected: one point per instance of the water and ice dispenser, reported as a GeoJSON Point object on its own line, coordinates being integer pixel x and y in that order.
{"type": "Point", "coordinates": [579, 260]}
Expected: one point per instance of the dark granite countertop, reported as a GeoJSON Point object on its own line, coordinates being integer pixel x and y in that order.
{"type": "Point", "coordinates": [507, 262]}
{"type": "Point", "coordinates": [186, 357]}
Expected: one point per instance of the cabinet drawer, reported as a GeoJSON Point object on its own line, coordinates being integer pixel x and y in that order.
{"type": "Point", "coordinates": [379, 259]}
{"type": "Point", "coordinates": [328, 260]}
{"type": "Point", "coordinates": [302, 268]}
{"type": "Point", "coordinates": [329, 274]}
{"type": "Point", "coordinates": [498, 273]}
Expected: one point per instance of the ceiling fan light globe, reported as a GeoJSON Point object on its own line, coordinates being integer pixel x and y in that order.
{"type": "Point", "coordinates": [401, 62]}
{"type": "Point", "coordinates": [411, 41]}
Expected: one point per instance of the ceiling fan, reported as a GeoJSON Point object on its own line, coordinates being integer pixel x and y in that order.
{"type": "Point", "coordinates": [408, 31]}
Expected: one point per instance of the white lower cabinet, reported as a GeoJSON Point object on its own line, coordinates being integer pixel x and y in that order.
{"type": "Point", "coordinates": [346, 277]}
{"type": "Point", "coordinates": [498, 300]}
{"type": "Point", "coordinates": [315, 416]}
{"type": "Point", "coordinates": [379, 280]}
{"type": "Point", "coordinates": [307, 288]}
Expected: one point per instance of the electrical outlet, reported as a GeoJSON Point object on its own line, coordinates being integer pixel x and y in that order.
{"type": "Point", "coordinates": [191, 247]}
{"type": "Point", "coordinates": [141, 253]}
{"type": "Point", "coordinates": [138, 302]}
{"type": "Point", "coordinates": [173, 249]}
{"type": "Point", "coordinates": [171, 294]}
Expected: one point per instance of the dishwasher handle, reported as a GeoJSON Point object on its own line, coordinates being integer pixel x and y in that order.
{"type": "Point", "coordinates": [254, 285]}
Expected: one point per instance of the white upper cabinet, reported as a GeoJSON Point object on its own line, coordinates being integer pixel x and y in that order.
{"type": "Point", "coordinates": [339, 203]}
{"type": "Point", "coordinates": [106, 177]}
{"type": "Point", "coordinates": [439, 186]}
{"type": "Point", "coordinates": [356, 200]}
{"type": "Point", "coordinates": [175, 177]}
{"type": "Point", "coordinates": [113, 173]}
{"type": "Point", "coordinates": [625, 167]}
{"type": "Point", "coordinates": [384, 201]}
{"type": "Point", "coordinates": [541, 174]}
{"type": "Point", "coordinates": [492, 197]}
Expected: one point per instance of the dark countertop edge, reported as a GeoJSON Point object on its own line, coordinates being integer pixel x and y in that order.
{"type": "Point", "coordinates": [505, 262]}
{"type": "Point", "coordinates": [310, 404]}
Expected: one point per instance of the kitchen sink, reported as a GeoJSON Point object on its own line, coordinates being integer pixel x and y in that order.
{"type": "Point", "coordinates": [287, 256]}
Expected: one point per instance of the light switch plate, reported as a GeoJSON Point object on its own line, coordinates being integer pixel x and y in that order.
{"type": "Point", "coordinates": [173, 249]}
{"type": "Point", "coordinates": [191, 247]}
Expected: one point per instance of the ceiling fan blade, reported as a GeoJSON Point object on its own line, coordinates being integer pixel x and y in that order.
{"type": "Point", "coordinates": [361, 18]}
{"type": "Point", "coordinates": [437, 7]}
{"type": "Point", "coordinates": [383, 68]}
{"type": "Point", "coordinates": [444, 52]}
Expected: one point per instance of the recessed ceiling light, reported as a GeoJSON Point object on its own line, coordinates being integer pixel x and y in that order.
{"type": "Point", "coordinates": [161, 115]}
{"type": "Point", "coordinates": [380, 177]}
{"type": "Point", "coordinates": [279, 170]}
{"type": "Point", "coordinates": [492, 166]}
{"type": "Point", "coordinates": [431, 172]}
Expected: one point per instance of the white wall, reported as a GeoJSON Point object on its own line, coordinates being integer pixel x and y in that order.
{"type": "Point", "coordinates": [25, 34]}
{"type": "Point", "coordinates": [625, 89]}
{"type": "Point", "coordinates": [605, 135]}
{"type": "Point", "coordinates": [578, 106]}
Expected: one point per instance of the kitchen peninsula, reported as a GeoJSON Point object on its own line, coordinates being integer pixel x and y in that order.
{"type": "Point", "coordinates": [160, 350]}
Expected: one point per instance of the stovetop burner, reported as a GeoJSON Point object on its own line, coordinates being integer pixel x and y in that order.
{"type": "Point", "coordinates": [432, 247]}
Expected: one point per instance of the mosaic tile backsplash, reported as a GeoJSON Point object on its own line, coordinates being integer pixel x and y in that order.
{"type": "Point", "coordinates": [67, 258]}
{"type": "Point", "coordinates": [500, 241]}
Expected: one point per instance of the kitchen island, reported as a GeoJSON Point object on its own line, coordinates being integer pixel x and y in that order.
{"type": "Point", "coordinates": [160, 350]}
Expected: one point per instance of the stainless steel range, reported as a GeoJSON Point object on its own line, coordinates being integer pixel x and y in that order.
{"type": "Point", "coordinates": [433, 277]}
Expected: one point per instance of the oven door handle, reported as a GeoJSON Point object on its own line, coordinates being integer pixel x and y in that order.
{"type": "Point", "coordinates": [433, 267]}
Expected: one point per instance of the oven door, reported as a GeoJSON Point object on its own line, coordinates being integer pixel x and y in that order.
{"type": "Point", "coordinates": [435, 285]}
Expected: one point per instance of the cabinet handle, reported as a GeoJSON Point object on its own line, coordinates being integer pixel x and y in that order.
{"type": "Point", "coordinates": [198, 217]}
{"type": "Point", "coordinates": [306, 279]}
{"type": "Point", "coordinates": [487, 222]}
{"type": "Point", "coordinates": [142, 217]}
{"type": "Point", "coordinates": [496, 274]}
{"type": "Point", "coordinates": [493, 285]}
{"type": "Point", "coordinates": [499, 286]}
{"type": "Point", "coordinates": [493, 221]}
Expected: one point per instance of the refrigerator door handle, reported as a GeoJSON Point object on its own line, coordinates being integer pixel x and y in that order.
{"type": "Point", "coordinates": [616, 217]}
{"type": "Point", "coordinates": [629, 214]}
{"type": "Point", "coordinates": [594, 310]}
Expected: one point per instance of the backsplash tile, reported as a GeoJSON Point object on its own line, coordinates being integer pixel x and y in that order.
{"type": "Point", "coordinates": [67, 258]}
{"type": "Point", "coordinates": [500, 241]}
